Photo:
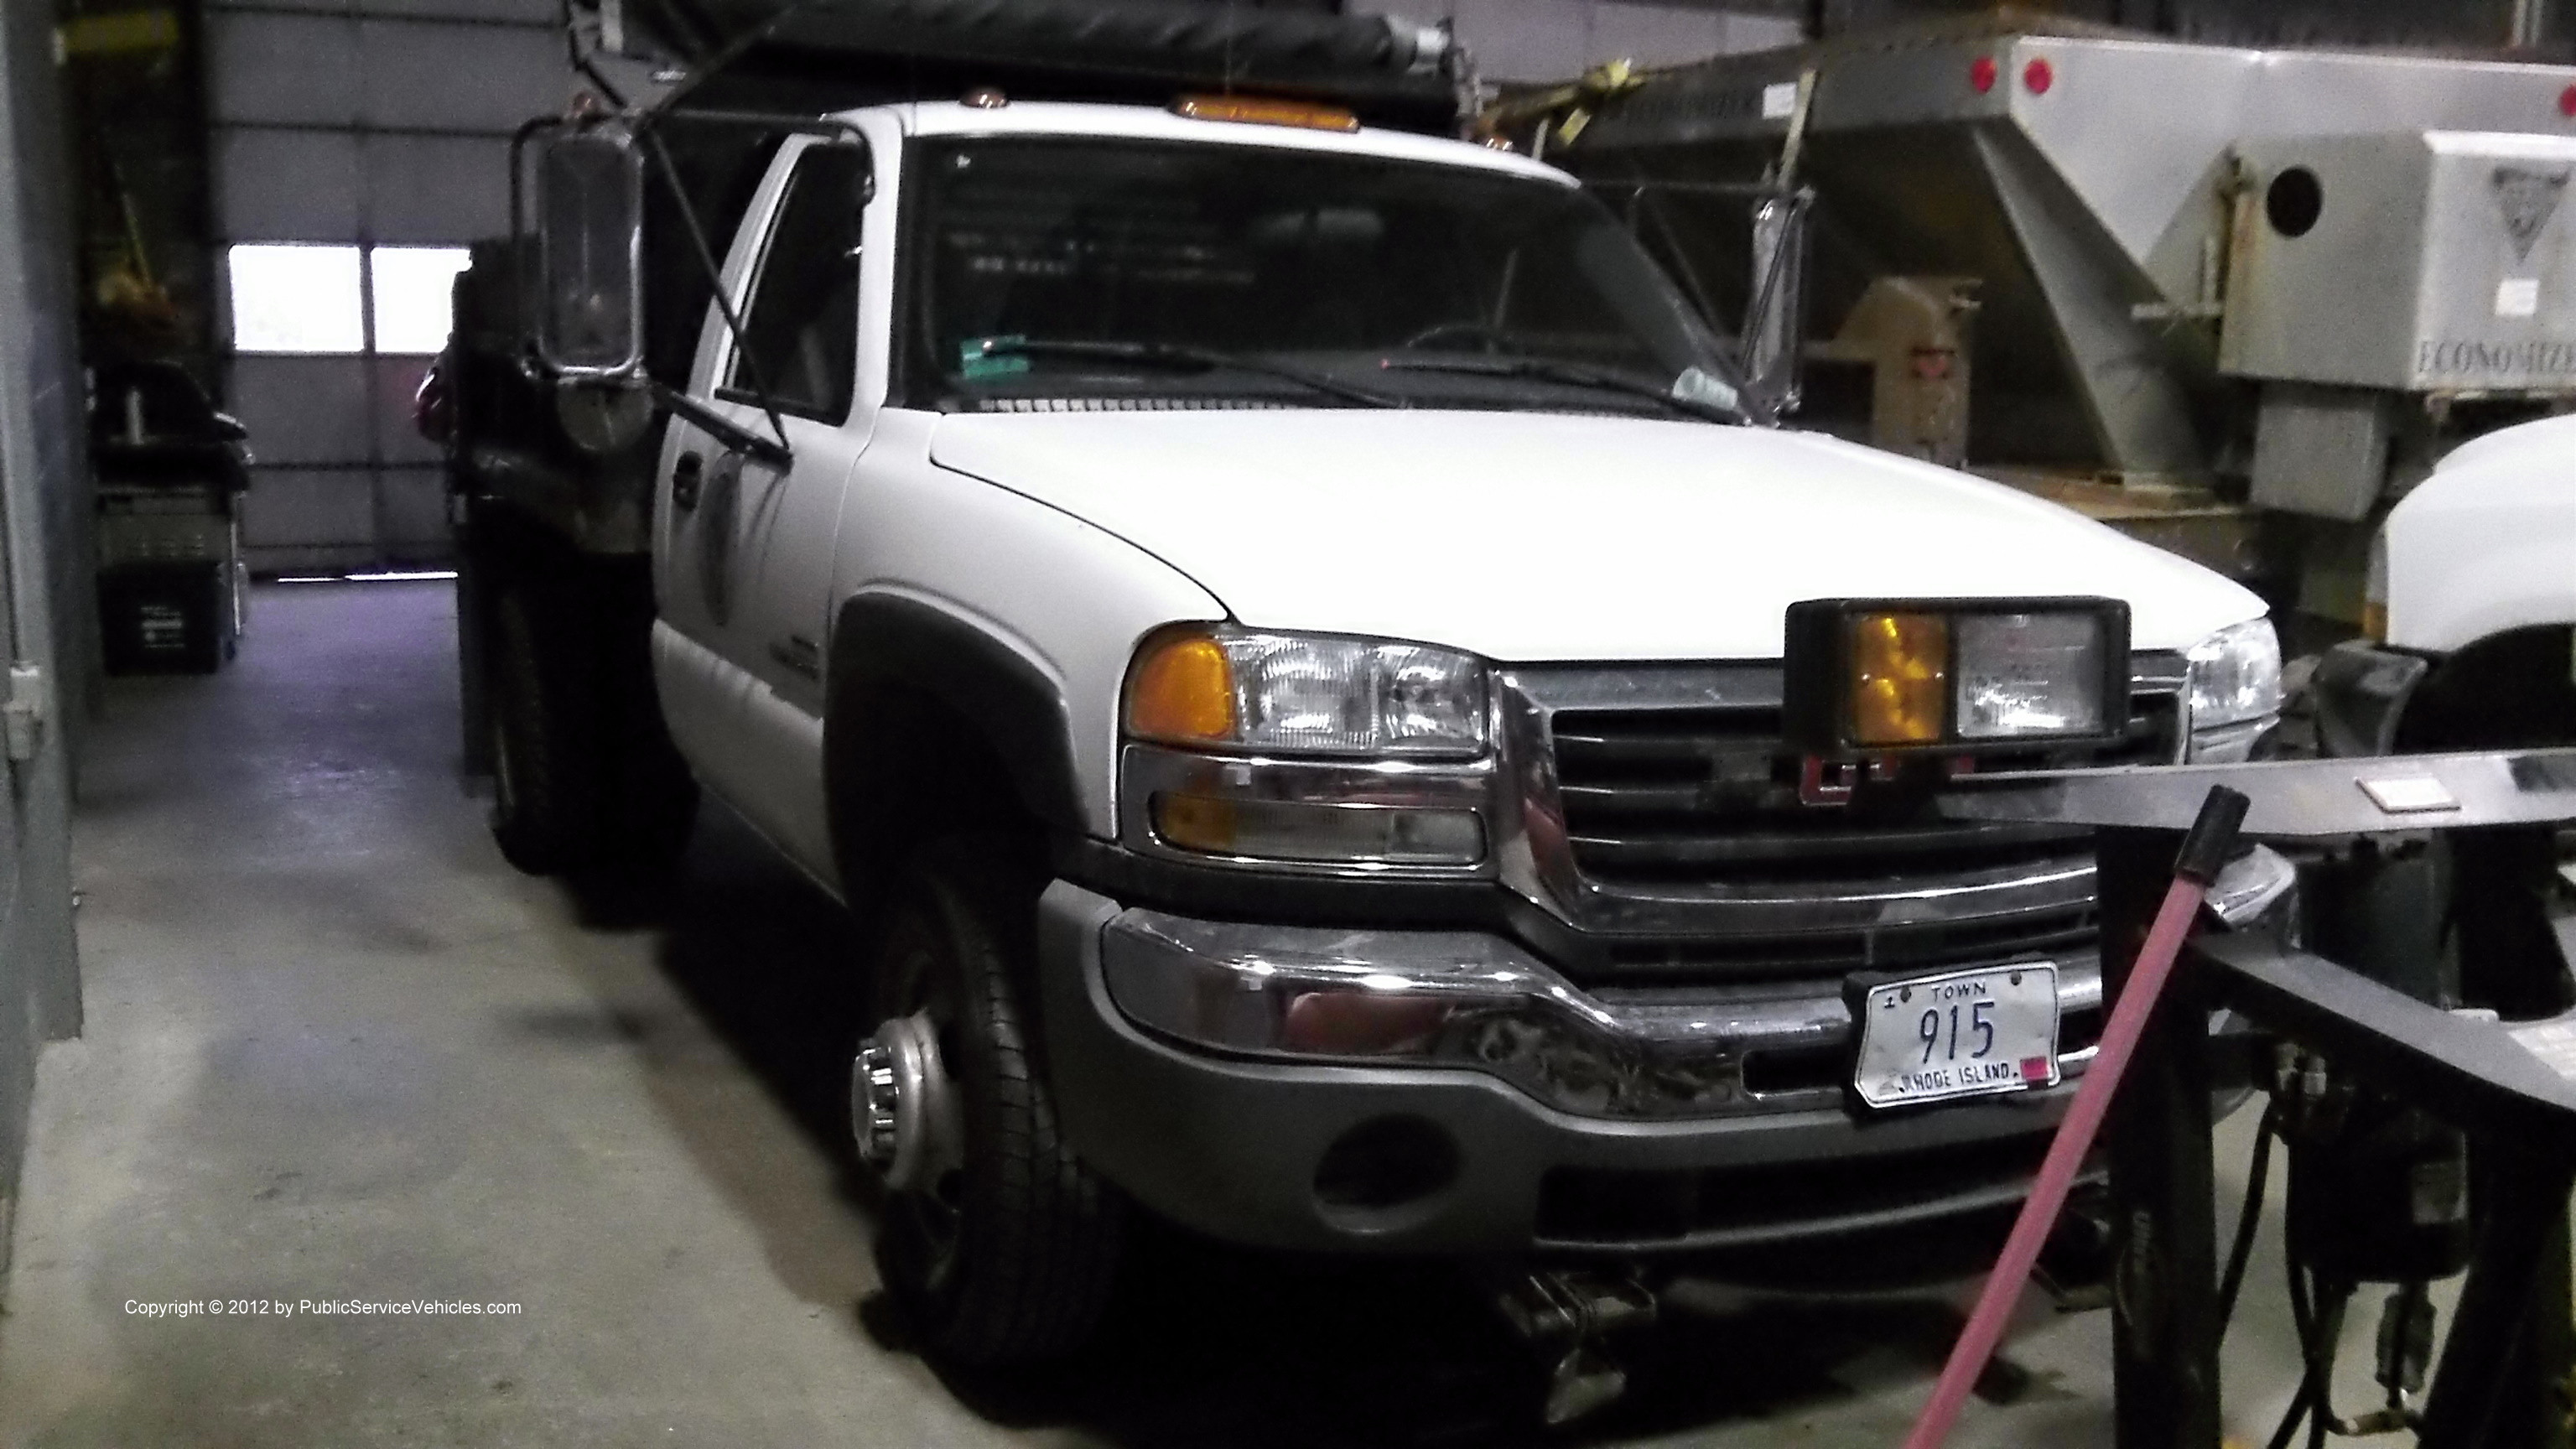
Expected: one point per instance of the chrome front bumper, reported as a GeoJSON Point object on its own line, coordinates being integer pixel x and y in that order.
{"type": "Point", "coordinates": [1481, 1003]}
{"type": "Point", "coordinates": [1409, 1154]}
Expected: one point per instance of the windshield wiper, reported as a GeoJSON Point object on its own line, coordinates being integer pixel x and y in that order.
{"type": "Point", "coordinates": [1174, 354]}
{"type": "Point", "coordinates": [1571, 375]}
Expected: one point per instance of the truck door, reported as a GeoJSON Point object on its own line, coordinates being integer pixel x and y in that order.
{"type": "Point", "coordinates": [745, 567]}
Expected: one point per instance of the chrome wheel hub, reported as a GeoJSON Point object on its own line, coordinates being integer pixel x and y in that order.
{"type": "Point", "coordinates": [903, 1107]}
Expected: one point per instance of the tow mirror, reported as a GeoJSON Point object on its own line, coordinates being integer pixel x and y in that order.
{"type": "Point", "coordinates": [588, 299]}
{"type": "Point", "coordinates": [1775, 320]}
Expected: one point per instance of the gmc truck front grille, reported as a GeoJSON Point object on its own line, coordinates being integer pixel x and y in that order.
{"type": "Point", "coordinates": [1653, 795]}
{"type": "Point", "coordinates": [1656, 800]}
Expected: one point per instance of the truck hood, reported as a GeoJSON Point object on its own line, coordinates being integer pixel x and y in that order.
{"type": "Point", "coordinates": [2546, 442]}
{"type": "Point", "coordinates": [1529, 537]}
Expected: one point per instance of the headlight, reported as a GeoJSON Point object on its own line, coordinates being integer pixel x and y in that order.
{"type": "Point", "coordinates": [1306, 752]}
{"type": "Point", "coordinates": [1877, 677]}
{"type": "Point", "coordinates": [1300, 694]}
{"type": "Point", "coordinates": [2236, 675]}
{"type": "Point", "coordinates": [2031, 674]}
{"type": "Point", "coordinates": [2235, 692]}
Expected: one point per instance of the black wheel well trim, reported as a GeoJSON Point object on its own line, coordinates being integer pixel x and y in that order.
{"type": "Point", "coordinates": [2486, 652]}
{"type": "Point", "coordinates": [2476, 665]}
{"type": "Point", "coordinates": [2505, 638]}
{"type": "Point", "coordinates": [892, 647]}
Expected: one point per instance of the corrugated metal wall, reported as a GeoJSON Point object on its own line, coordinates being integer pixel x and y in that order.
{"type": "Point", "coordinates": [44, 587]}
{"type": "Point", "coordinates": [366, 123]}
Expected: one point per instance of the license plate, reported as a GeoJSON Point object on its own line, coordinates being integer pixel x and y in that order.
{"type": "Point", "coordinates": [1959, 1034]}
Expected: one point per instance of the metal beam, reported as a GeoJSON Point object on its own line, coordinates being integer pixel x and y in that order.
{"type": "Point", "coordinates": [2138, 410]}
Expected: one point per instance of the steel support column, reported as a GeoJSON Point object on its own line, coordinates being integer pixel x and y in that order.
{"type": "Point", "coordinates": [2164, 1326]}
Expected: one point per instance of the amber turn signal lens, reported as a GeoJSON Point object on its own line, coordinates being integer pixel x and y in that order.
{"type": "Point", "coordinates": [1900, 678]}
{"type": "Point", "coordinates": [1182, 690]}
{"type": "Point", "coordinates": [1265, 111]}
{"type": "Point", "coordinates": [1196, 822]}
{"type": "Point", "coordinates": [2374, 621]}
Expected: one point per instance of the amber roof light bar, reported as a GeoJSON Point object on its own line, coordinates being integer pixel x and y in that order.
{"type": "Point", "coordinates": [1265, 111]}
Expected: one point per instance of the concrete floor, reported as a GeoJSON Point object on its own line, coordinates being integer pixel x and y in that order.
{"type": "Point", "coordinates": [337, 1049]}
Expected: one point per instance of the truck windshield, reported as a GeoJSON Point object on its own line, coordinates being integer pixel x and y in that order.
{"type": "Point", "coordinates": [1427, 285]}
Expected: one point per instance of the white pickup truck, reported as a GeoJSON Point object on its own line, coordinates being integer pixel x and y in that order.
{"type": "Point", "coordinates": [2472, 607]}
{"type": "Point", "coordinates": [1285, 628]}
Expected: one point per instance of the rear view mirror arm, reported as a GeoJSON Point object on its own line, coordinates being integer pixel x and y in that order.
{"type": "Point", "coordinates": [715, 279]}
{"type": "Point", "coordinates": [771, 451]}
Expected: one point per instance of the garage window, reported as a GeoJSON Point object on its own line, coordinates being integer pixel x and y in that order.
{"type": "Point", "coordinates": [293, 297]}
{"type": "Point", "coordinates": [413, 287]}
{"type": "Point", "coordinates": [296, 298]}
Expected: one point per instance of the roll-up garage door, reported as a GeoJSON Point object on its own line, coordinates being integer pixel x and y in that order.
{"type": "Point", "coordinates": [358, 147]}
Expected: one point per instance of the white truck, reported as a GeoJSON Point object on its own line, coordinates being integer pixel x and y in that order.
{"type": "Point", "coordinates": [2471, 607]}
{"type": "Point", "coordinates": [1351, 733]}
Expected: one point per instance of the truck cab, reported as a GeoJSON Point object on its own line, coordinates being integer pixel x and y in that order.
{"type": "Point", "coordinates": [1350, 730]}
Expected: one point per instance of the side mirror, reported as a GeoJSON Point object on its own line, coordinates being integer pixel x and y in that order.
{"type": "Point", "coordinates": [588, 302]}
{"type": "Point", "coordinates": [1775, 319]}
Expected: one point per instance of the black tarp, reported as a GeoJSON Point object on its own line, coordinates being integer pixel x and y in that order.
{"type": "Point", "coordinates": [826, 53]}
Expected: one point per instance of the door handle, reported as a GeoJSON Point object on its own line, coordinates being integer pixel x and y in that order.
{"type": "Point", "coordinates": [685, 476]}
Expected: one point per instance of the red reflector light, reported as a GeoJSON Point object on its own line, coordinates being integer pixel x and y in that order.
{"type": "Point", "coordinates": [1981, 73]}
{"type": "Point", "coordinates": [2039, 75]}
{"type": "Point", "coordinates": [2567, 102]}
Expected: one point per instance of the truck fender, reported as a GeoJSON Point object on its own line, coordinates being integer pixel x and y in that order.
{"type": "Point", "coordinates": [892, 655]}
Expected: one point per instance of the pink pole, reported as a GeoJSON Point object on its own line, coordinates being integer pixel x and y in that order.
{"type": "Point", "coordinates": [2057, 1174]}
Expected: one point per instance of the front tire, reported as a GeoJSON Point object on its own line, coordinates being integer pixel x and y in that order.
{"type": "Point", "coordinates": [1008, 1252]}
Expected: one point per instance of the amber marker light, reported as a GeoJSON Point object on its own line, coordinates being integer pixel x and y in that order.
{"type": "Point", "coordinates": [1196, 822]}
{"type": "Point", "coordinates": [1265, 111]}
{"type": "Point", "coordinates": [1182, 691]}
{"type": "Point", "coordinates": [1900, 678]}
